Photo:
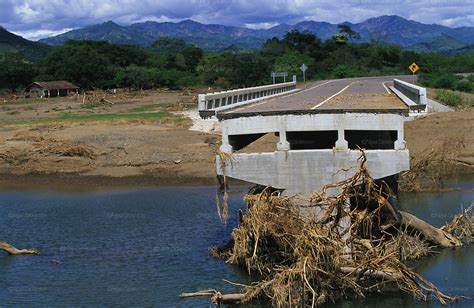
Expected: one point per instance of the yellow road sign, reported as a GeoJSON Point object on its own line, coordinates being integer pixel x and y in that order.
{"type": "Point", "coordinates": [414, 67]}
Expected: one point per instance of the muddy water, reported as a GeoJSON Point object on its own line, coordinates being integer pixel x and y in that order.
{"type": "Point", "coordinates": [145, 246]}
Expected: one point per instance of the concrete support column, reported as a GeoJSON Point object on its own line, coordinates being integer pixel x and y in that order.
{"type": "Point", "coordinates": [341, 143]}
{"type": "Point", "coordinates": [283, 144]}
{"type": "Point", "coordinates": [400, 143]}
{"type": "Point", "coordinates": [225, 146]}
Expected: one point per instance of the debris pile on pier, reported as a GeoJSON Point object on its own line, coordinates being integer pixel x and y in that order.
{"type": "Point", "coordinates": [354, 246]}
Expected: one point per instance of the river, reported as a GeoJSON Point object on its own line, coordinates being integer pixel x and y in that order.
{"type": "Point", "coordinates": [144, 246]}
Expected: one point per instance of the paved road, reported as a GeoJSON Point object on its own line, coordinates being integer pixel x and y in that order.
{"type": "Point", "coordinates": [338, 95]}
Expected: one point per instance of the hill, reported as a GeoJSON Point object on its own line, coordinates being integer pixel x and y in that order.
{"type": "Point", "coordinates": [387, 29]}
{"type": "Point", "coordinates": [443, 44]}
{"type": "Point", "coordinates": [10, 42]}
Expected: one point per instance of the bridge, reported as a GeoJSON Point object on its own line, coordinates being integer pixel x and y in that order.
{"type": "Point", "coordinates": [319, 129]}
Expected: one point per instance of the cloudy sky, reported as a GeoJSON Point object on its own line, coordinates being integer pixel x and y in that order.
{"type": "Point", "coordinates": [35, 19]}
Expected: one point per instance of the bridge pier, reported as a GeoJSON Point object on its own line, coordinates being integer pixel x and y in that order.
{"type": "Point", "coordinates": [400, 143]}
{"type": "Point", "coordinates": [283, 144]}
{"type": "Point", "coordinates": [225, 145]}
{"type": "Point", "coordinates": [341, 143]}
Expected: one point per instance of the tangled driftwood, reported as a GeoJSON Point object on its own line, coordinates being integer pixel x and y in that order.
{"type": "Point", "coordinates": [355, 245]}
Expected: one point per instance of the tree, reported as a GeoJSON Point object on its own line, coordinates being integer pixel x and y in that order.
{"type": "Point", "coordinates": [15, 71]}
{"type": "Point", "coordinates": [234, 70]}
{"type": "Point", "coordinates": [347, 30]}
{"type": "Point", "coordinates": [166, 44]}
{"type": "Point", "coordinates": [91, 64]}
{"type": "Point", "coordinates": [80, 63]}
{"type": "Point", "coordinates": [248, 69]}
{"type": "Point", "coordinates": [304, 42]}
{"type": "Point", "coordinates": [291, 61]}
{"type": "Point", "coordinates": [192, 55]}
{"type": "Point", "coordinates": [214, 66]}
{"type": "Point", "coordinates": [137, 77]}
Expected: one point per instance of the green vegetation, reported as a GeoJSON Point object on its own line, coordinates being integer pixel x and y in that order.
{"type": "Point", "coordinates": [452, 98]}
{"type": "Point", "coordinates": [110, 117]}
{"type": "Point", "coordinates": [146, 108]}
{"type": "Point", "coordinates": [15, 71]}
{"type": "Point", "coordinates": [173, 63]}
{"type": "Point", "coordinates": [448, 81]}
{"type": "Point", "coordinates": [449, 98]}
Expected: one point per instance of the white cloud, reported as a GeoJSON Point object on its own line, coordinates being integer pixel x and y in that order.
{"type": "Point", "coordinates": [261, 25]}
{"type": "Point", "coordinates": [39, 34]}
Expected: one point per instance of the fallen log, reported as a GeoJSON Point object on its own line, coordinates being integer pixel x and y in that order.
{"type": "Point", "coordinates": [228, 299]}
{"type": "Point", "coordinates": [216, 296]}
{"type": "Point", "coordinates": [431, 234]}
{"type": "Point", "coordinates": [12, 250]}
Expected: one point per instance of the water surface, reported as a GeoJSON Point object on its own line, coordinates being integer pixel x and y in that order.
{"type": "Point", "coordinates": [145, 246]}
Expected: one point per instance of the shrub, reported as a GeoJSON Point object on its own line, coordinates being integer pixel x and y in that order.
{"type": "Point", "coordinates": [342, 71]}
{"type": "Point", "coordinates": [464, 86]}
{"type": "Point", "coordinates": [445, 81]}
{"type": "Point", "coordinates": [449, 98]}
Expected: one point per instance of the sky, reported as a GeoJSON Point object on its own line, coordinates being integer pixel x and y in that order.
{"type": "Point", "coordinates": [35, 19]}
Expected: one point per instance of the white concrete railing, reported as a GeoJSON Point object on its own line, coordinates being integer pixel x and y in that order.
{"type": "Point", "coordinates": [412, 95]}
{"type": "Point", "coordinates": [210, 103]}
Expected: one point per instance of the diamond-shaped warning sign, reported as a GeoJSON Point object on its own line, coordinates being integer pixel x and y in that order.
{"type": "Point", "coordinates": [414, 67]}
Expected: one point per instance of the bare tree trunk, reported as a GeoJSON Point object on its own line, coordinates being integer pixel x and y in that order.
{"type": "Point", "coordinates": [431, 234]}
{"type": "Point", "coordinates": [217, 297]}
{"type": "Point", "coordinates": [11, 250]}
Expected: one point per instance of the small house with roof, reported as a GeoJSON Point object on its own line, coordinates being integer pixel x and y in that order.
{"type": "Point", "coordinates": [51, 89]}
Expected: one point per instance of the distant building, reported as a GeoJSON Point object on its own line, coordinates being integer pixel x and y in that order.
{"type": "Point", "coordinates": [51, 89]}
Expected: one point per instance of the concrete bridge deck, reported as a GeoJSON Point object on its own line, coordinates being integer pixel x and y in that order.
{"type": "Point", "coordinates": [330, 96]}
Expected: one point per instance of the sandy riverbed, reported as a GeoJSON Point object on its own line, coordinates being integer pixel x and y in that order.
{"type": "Point", "coordinates": [35, 148]}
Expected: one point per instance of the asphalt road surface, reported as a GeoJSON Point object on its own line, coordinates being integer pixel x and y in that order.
{"type": "Point", "coordinates": [337, 95]}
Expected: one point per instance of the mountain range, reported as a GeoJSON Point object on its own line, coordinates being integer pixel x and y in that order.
{"type": "Point", "coordinates": [393, 29]}
{"type": "Point", "coordinates": [10, 42]}
{"type": "Point", "coordinates": [387, 29]}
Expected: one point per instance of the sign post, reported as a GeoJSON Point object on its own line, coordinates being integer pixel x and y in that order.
{"type": "Point", "coordinates": [414, 68]}
{"type": "Point", "coordinates": [279, 74]}
{"type": "Point", "coordinates": [303, 68]}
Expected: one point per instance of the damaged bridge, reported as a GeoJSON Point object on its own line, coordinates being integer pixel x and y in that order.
{"type": "Point", "coordinates": [320, 129]}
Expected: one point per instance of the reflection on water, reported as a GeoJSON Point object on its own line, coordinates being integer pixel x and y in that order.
{"type": "Point", "coordinates": [145, 246]}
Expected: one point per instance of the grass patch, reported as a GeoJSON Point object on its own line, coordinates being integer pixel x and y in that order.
{"type": "Point", "coordinates": [447, 97]}
{"type": "Point", "coordinates": [110, 117]}
{"type": "Point", "coordinates": [145, 108]}
{"type": "Point", "coordinates": [452, 98]}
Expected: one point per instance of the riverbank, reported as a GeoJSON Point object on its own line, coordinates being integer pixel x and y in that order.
{"type": "Point", "coordinates": [140, 139]}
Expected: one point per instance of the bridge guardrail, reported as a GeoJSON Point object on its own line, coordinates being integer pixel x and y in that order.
{"type": "Point", "coordinates": [412, 95]}
{"type": "Point", "coordinates": [210, 103]}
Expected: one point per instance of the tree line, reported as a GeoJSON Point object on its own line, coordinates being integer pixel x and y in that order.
{"type": "Point", "coordinates": [172, 63]}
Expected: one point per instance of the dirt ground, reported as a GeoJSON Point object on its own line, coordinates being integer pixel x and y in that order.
{"type": "Point", "coordinates": [452, 133]}
{"type": "Point", "coordinates": [38, 145]}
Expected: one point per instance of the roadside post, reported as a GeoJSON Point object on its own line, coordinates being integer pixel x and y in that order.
{"type": "Point", "coordinates": [414, 68]}
{"type": "Point", "coordinates": [303, 68]}
{"type": "Point", "coordinates": [279, 74]}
